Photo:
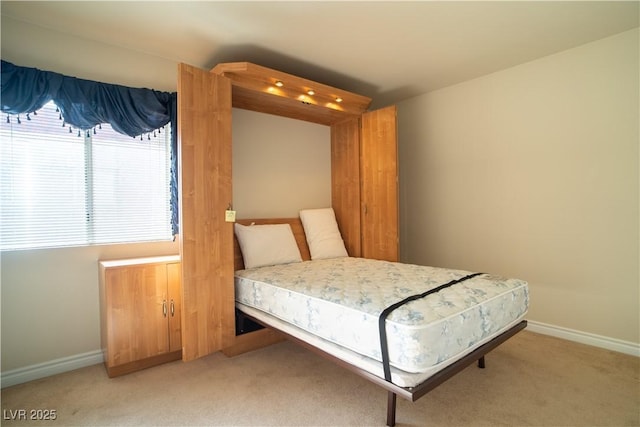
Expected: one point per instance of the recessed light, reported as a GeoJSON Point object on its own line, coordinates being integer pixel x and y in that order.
{"type": "Point", "coordinates": [279, 83]}
{"type": "Point", "coordinates": [311, 92]}
{"type": "Point", "coordinates": [338, 99]}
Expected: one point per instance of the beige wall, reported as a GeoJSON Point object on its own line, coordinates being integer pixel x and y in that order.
{"type": "Point", "coordinates": [280, 165]}
{"type": "Point", "coordinates": [32, 46]}
{"type": "Point", "coordinates": [533, 172]}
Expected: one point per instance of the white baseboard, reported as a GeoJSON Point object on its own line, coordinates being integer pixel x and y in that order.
{"type": "Point", "coordinates": [612, 344]}
{"type": "Point", "coordinates": [53, 367]}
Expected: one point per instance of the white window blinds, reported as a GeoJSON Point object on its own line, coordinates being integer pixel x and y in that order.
{"type": "Point", "coordinates": [62, 188]}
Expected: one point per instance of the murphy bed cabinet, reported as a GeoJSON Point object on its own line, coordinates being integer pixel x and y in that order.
{"type": "Point", "coordinates": [363, 181]}
{"type": "Point", "coordinates": [140, 312]}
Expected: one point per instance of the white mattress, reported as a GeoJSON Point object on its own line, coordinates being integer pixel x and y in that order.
{"type": "Point", "coordinates": [398, 377]}
{"type": "Point", "coordinates": [339, 300]}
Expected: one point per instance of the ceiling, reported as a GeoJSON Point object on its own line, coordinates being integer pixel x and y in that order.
{"type": "Point", "coordinates": [388, 51]}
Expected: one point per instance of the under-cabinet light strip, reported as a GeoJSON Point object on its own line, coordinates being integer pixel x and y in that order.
{"type": "Point", "coordinates": [310, 92]}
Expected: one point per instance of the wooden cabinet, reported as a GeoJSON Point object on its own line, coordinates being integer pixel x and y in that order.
{"type": "Point", "coordinates": [363, 147]}
{"type": "Point", "coordinates": [379, 185]}
{"type": "Point", "coordinates": [345, 182]}
{"type": "Point", "coordinates": [364, 175]}
{"type": "Point", "coordinates": [140, 305]}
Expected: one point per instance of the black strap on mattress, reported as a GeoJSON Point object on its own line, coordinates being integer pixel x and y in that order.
{"type": "Point", "coordinates": [385, 313]}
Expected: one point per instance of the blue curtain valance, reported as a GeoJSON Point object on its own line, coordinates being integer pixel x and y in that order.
{"type": "Point", "coordinates": [85, 104]}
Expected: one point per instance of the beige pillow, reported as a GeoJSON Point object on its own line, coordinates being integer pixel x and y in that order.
{"type": "Point", "coordinates": [323, 235]}
{"type": "Point", "coordinates": [267, 244]}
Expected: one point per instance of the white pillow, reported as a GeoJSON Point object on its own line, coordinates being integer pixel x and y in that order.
{"type": "Point", "coordinates": [323, 235]}
{"type": "Point", "coordinates": [267, 244]}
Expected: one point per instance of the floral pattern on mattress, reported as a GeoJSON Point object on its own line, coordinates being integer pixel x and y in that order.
{"type": "Point", "coordinates": [341, 299]}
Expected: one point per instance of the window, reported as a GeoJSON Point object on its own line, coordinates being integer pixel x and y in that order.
{"type": "Point", "coordinates": [64, 187]}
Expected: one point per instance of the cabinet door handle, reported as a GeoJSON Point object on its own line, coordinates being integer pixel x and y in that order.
{"type": "Point", "coordinates": [173, 309]}
{"type": "Point", "coordinates": [164, 308]}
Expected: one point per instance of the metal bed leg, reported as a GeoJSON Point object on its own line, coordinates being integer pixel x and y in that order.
{"type": "Point", "coordinates": [481, 363]}
{"type": "Point", "coordinates": [391, 409]}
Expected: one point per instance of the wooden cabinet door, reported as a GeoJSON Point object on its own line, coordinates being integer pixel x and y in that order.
{"type": "Point", "coordinates": [379, 184]}
{"type": "Point", "coordinates": [345, 182]}
{"type": "Point", "coordinates": [137, 326]}
{"type": "Point", "coordinates": [175, 306]}
{"type": "Point", "coordinates": [206, 240]}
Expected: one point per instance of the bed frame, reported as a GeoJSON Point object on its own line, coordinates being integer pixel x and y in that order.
{"type": "Point", "coordinates": [393, 390]}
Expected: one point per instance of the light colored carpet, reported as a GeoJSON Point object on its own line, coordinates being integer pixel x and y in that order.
{"type": "Point", "coordinates": [531, 380]}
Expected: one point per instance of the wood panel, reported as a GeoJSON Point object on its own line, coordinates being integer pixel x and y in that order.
{"type": "Point", "coordinates": [253, 341]}
{"type": "Point", "coordinates": [285, 107]}
{"type": "Point", "coordinates": [174, 293]}
{"type": "Point", "coordinates": [135, 324]}
{"type": "Point", "coordinates": [206, 240]}
{"type": "Point", "coordinates": [136, 365]}
{"type": "Point", "coordinates": [345, 182]}
{"type": "Point", "coordinates": [254, 89]}
{"type": "Point", "coordinates": [379, 184]}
